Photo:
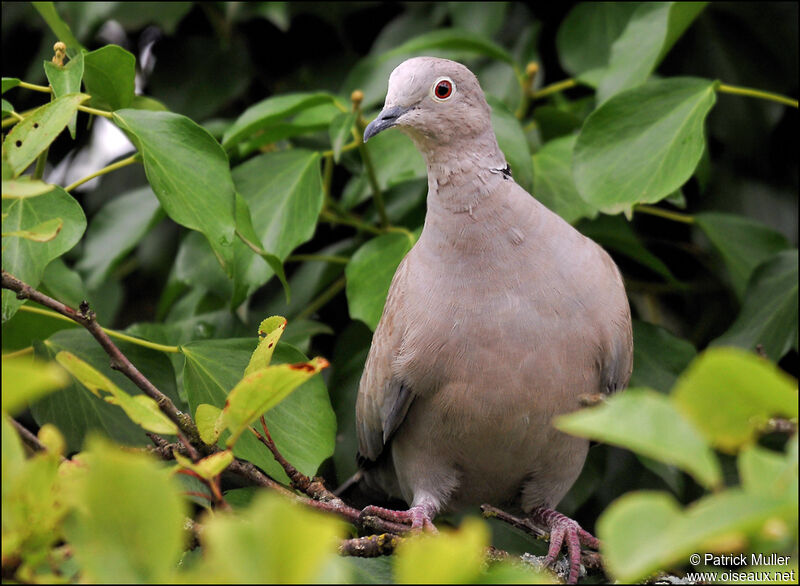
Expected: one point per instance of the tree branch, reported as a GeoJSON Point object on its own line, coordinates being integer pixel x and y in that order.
{"type": "Point", "coordinates": [590, 559]}
{"type": "Point", "coordinates": [85, 317]}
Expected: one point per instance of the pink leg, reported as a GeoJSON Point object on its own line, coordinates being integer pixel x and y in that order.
{"type": "Point", "coordinates": [562, 528]}
{"type": "Point", "coordinates": [418, 517]}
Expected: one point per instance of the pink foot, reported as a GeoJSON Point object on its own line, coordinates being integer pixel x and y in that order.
{"type": "Point", "coordinates": [418, 517]}
{"type": "Point", "coordinates": [562, 528]}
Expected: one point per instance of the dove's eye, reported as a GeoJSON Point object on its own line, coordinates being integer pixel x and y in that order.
{"type": "Point", "coordinates": [443, 89]}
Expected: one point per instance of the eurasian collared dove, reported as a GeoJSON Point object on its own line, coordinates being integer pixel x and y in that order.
{"type": "Point", "coordinates": [498, 319]}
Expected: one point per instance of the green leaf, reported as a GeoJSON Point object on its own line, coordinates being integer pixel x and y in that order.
{"type": "Point", "coordinates": [451, 557]}
{"type": "Point", "coordinates": [341, 131]}
{"type": "Point", "coordinates": [512, 141]}
{"type": "Point", "coordinates": [250, 238]}
{"type": "Point", "coordinates": [642, 532]}
{"type": "Point", "coordinates": [369, 274]}
{"type": "Point", "coordinates": [303, 426]}
{"type": "Point", "coordinates": [552, 180]}
{"type": "Point", "coordinates": [9, 83]}
{"type": "Point", "coordinates": [269, 332]}
{"type": "Point", "coordinates": [261, 390]}
{"type": "Point", "coordinates": [616, 233]}
{"type": "Point", "coordinates": [30, 137]}
{"type": "Point", "coordinates": [44, 232]}
{"type": "Point", "coordinates": [395, 160]}
{"type": "Point", "coordinates": [209, 423]}
{"type": "Point", "coordinates": [115, 230]}
{"type": "Point", "coordinates": [109, 74]}
{"type": "Point", "coordinates": [653, 428]}
{"type": "Point", "coordinates": [209, 467]}
{"type": "Point", "coordinates": [77, 412]}
{"type": "Point", "coordinates": [482, 18]}
{"type": "Point", "coordinates": [750, 388]}
{"type": "Point", "coordinates": [101, 532]}
{"type": "Point", "coordinates": [642, 144]}
{"type": "Point", "coordinates": [7, 107]}
{"type": "Point", "coordinates": [743, 243]}
{"type": "Point", "coordinates": [651, 32]}
{"type": "Point", "coordinates": [272, 541]}
{"type": "Point", "coordinates": [266, 113]}
{"type": "Point", "coordinates": [25, 187]}
{"type": "Point", "coordinates": [768, 473]}
{"type": "Point", "coordinates": [586, 35]}
{"type": "Point", "coordinates": [189, 173]}
{"type": "Point", "coordinates": [25, 379]}
{"type": "Point", "coordinates": [371, 73]}
{"type": "Point", "coordinates": [140, 409]}
{"type": "Point", "coordinates": [48, 12]}
{"type": "Point", "coordinates": [66, 80]}
{"type": "Point", "coordinates": [312, 120]}
{"type": "Point", "coordinates": [453, 39]}
{"type": "Point", "coordinates": [769, 310]}
{"type": "Point", "coordinates": [26, 259]}
{"type": "Point", "coordinates": [658, 357]}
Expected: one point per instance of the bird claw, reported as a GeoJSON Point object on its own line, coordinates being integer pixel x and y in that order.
{"type": "Point", "coordinates": [417, 517]}
{"type": "Point", "coordinates": [563, 529]}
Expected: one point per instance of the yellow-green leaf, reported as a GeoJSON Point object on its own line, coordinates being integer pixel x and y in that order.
{"type": "Point", "coordinates": [209, 423]}
{"type": "Point", "coordinates": [34, 134]}
{"type": "Point", "coordinates": [653, 427]}
{"type": "Point", "coordinates": [260, 391]}
{"type": "Point", "coordinates": [43, 232]}
{"type": "Point", "coordinates": [25, 379]}
{"type": "Point", "coordinates": [209, 467]}
{"type": "Point", "coordinates": [24, 187]}
{"type": "Point", "coordinates": [729, 394]}
{"type": "Point", "coordinates": [141, 409]}
{"type": "Point", "coordinates": [269, 332]}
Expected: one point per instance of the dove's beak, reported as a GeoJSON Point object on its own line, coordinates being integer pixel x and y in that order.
{"type": "Point", "coordinates": [386, 119]}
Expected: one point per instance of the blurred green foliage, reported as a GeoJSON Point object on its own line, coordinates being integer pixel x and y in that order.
{"type": "Point", "coordinates": [245, 191]}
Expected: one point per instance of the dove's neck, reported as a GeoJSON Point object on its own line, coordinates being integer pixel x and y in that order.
{"type": "Point", "coordinates": [463, 174]}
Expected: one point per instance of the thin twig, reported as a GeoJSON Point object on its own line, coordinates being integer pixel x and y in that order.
{"type": "Point", "coordinates": [119, 361]}
{"type": "Point", "coordinates": [590, 559]}
{"type": "Point", "coordinates": [28, 438]}
{"type": "Point", "coordinates": [371, 546]}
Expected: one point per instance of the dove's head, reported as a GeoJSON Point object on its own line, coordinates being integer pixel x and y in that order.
{"type": "Point", "coordinates": [435, 101]}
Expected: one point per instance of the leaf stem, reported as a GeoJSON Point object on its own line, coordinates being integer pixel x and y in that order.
{"type": "Point", "coordinates": [324, 297]}
{"type": "Point", "coordinates": [20, 352]}
{"type": "Point", "coordinates": [343, 260]}
{"type": "Point", "coordinates": [348, 147]}
{"type": "Point", "coordinates": [95, 111]}
{"type": "Point", "coordinates": [37, 88]}
{"type": "Point", "coordinates": [669, 215]}
{"type": "Point", "coordinates": [107, 169]}
{"type": "Point", "coordinates": [327, 216]}
{"type": "Point", "coordinates": [112, 333]}
{"type": "Point", "coordinates": [554, 88]}
{"type": "Point", "coordinates": [753, 93]}
{"type": "Point", "coordinates": [16, 116]}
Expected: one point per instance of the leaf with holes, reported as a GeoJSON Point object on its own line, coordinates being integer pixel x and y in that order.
{"type": "Point", "coordinates": [29, 138]}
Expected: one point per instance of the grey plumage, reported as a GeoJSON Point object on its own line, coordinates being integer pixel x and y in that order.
{"type": "Point", "coordinates": [499, 318]}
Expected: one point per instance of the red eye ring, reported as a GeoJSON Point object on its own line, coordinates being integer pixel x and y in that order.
{"type": "Point", "coordinates": [443, 89]}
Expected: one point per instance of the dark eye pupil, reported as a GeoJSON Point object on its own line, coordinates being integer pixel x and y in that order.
{"type": "Point", "coordinates": [443, 89]}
